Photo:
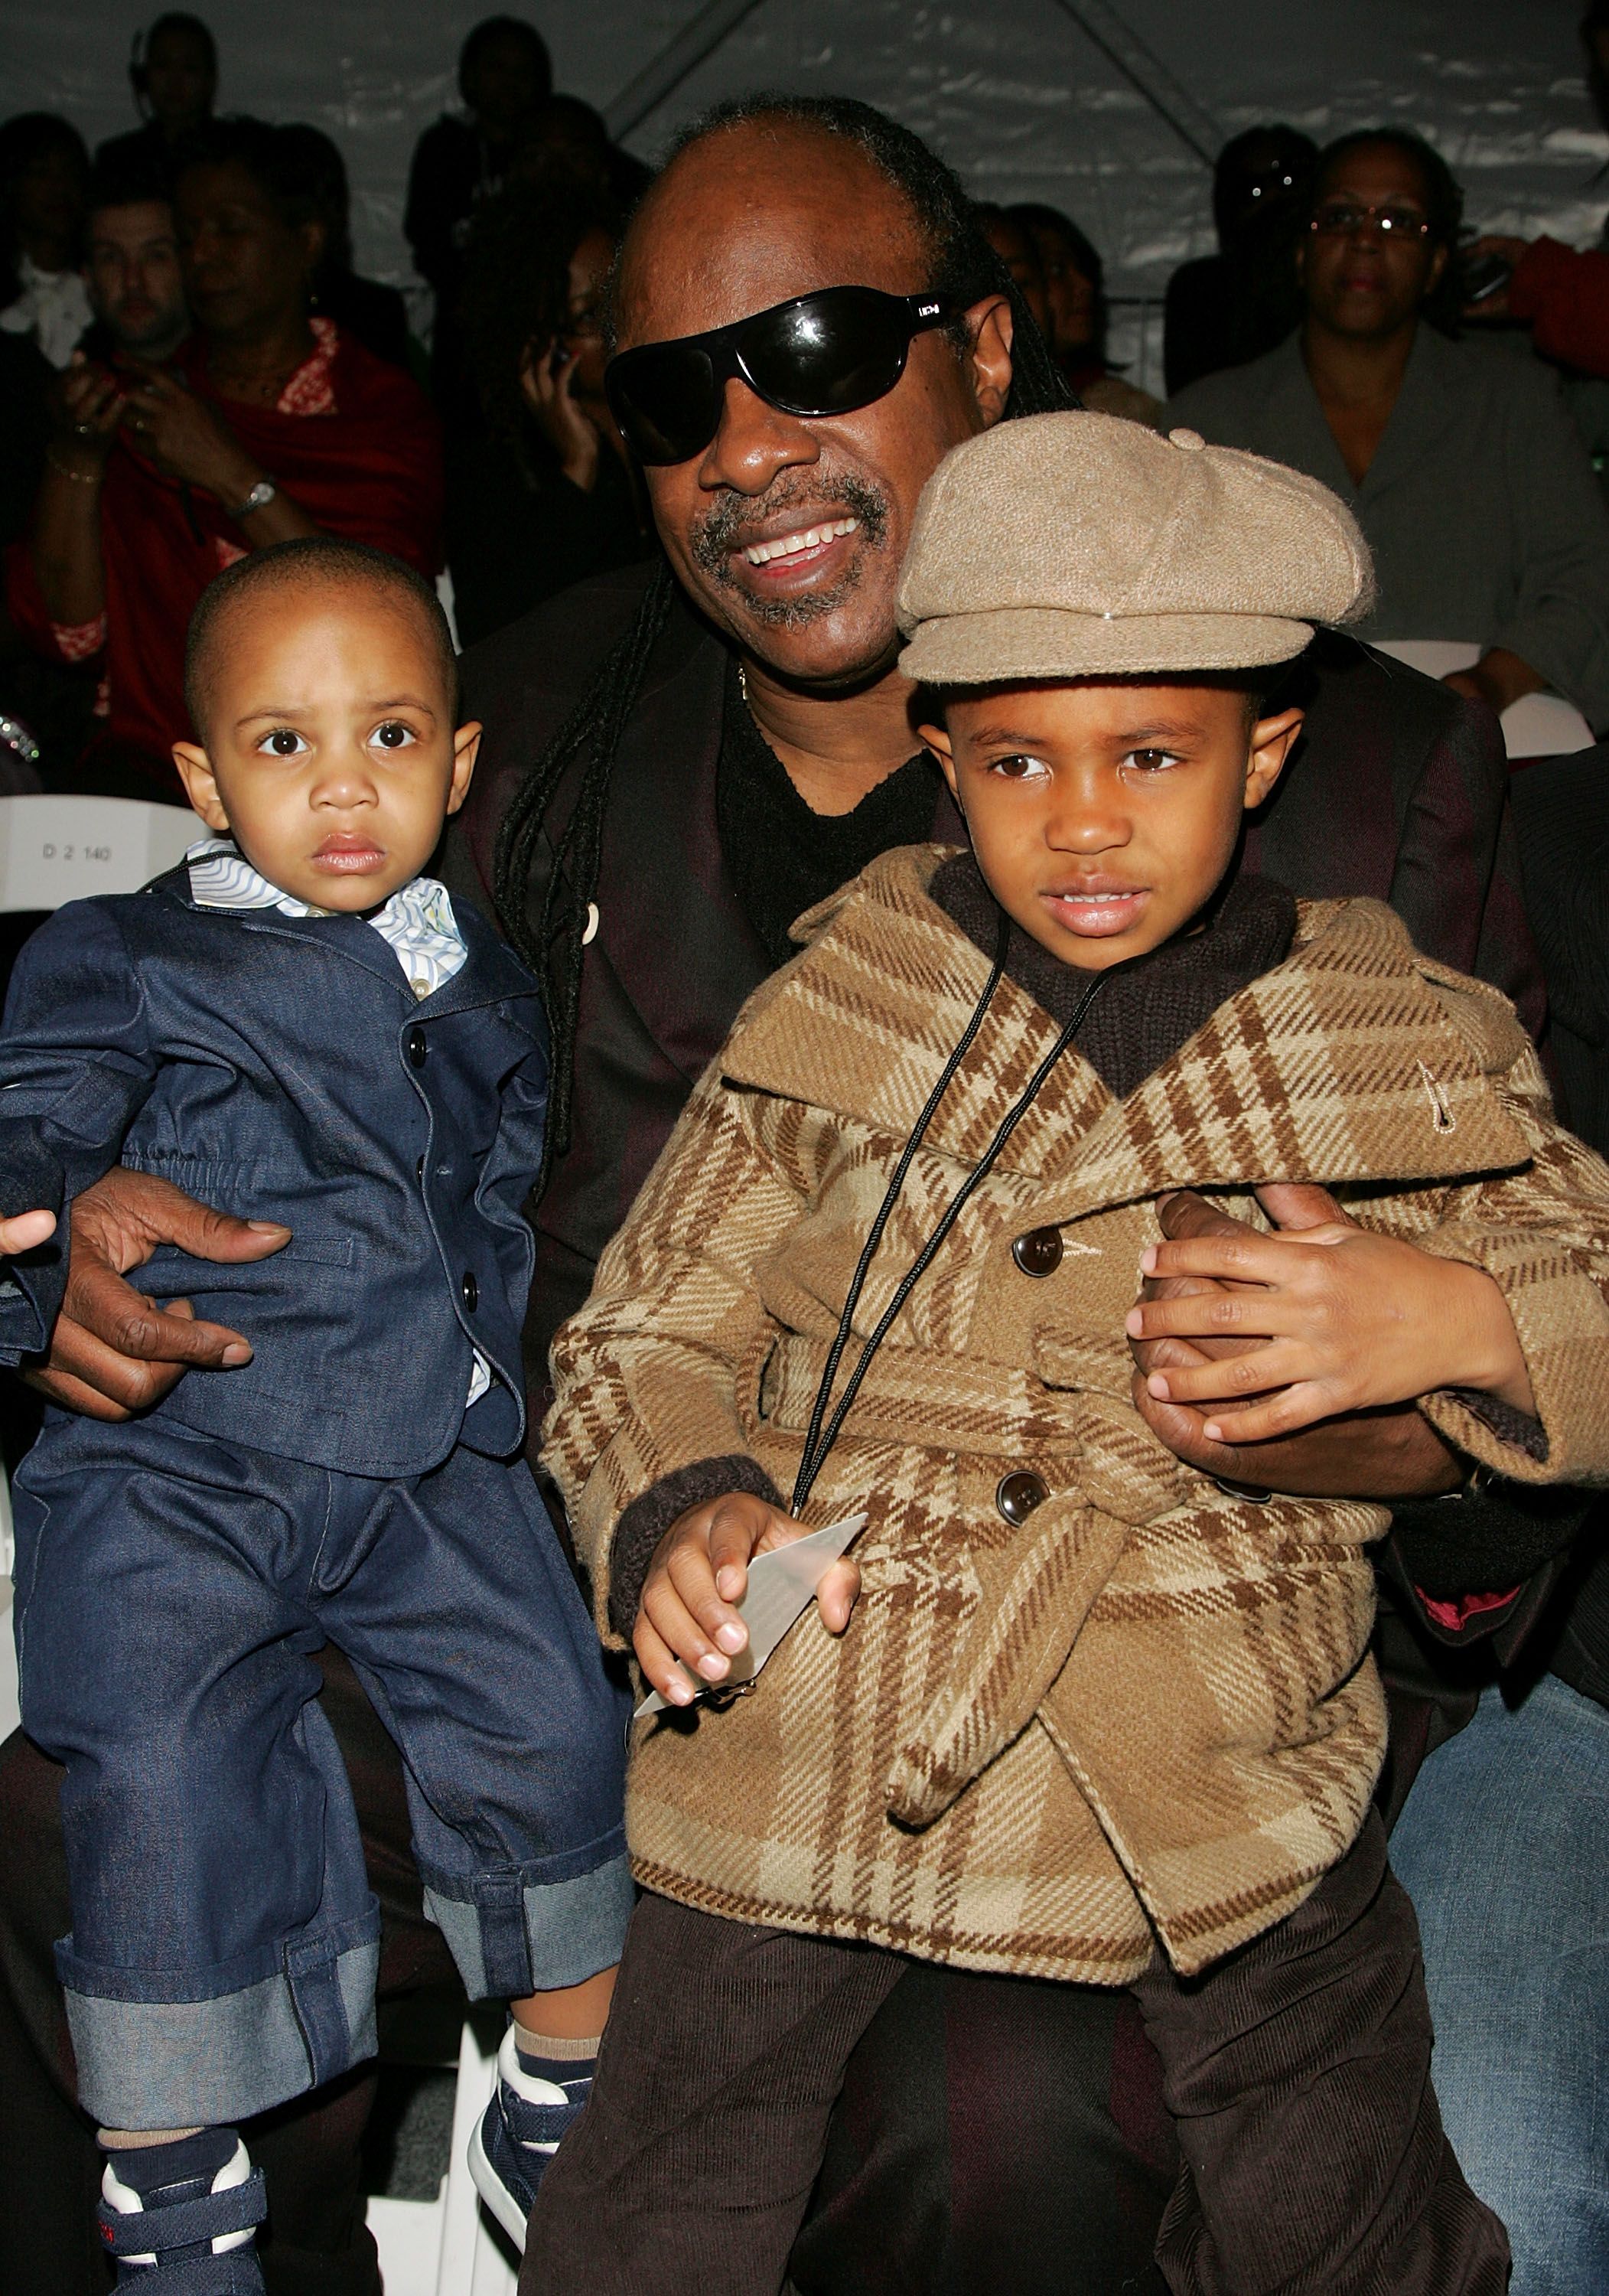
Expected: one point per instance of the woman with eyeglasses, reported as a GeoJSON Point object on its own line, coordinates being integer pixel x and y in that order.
{"type": "Point", "coordinates": [1463, 468]}
{"type": "Point", "coordinates": [543, 496]}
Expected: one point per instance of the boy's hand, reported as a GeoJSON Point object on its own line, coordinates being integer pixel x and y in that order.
{"type": "Point", "coordinates": [26, 1230]}
{"type": "Point", "coordinates": [1341, 1320]}
{"type": "Point", "coordinates": [699, 1572]}
{"type": "Point", "coordinates": [114, 1351]}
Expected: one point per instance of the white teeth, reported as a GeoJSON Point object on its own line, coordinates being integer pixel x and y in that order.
{"type": "Point", "coordinates": [808, 538]}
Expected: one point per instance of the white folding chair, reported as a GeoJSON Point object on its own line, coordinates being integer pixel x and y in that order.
{"type": "Point", "coordinates": [449, 2246]}
{"type": "Point", "coordinates": [1537, 726]}
{"type": "Point", "coordinates": [59, 848]}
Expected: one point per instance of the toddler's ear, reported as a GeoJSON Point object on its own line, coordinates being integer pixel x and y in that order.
{"type": "Point", "coordinates": [195, 771]}
{"type": "Point", "coordinates": [935, 738]}
{"type": "Point", "coordinates": [466, 749]}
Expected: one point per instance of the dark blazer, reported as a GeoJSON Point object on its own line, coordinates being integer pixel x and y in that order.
{"type": "Point", "coordinates": [279, 1067]}
{"type": "Point", "coordinates": [1397, 789]}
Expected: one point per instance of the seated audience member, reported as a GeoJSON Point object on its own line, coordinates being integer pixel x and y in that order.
{"type": "Point", "coordinates": [174, 74]}
{"type": "Point", "coordinates": [1074, 296]}
{"type": "Point", "coordinates": [569, 143]}
{"type": "Point", "coordinates": [1191, 1817]}
{"type": "Point", "coordinates": [1561, 293]}
{"type": "Point", "coordinates": [131, 268]}
{"type": "Point", "coordinates": [711, 749]}
{"type": "Point", "coordinates": [373, 313]}
{"type": "Point", "coordinates": [505, 75]}
{"type": "Point", "coordinates": [44, 173]}
{"type": "Point", "coordinates": [1014, 243]}
{"type": "Point", "coordinates": [1225, 308]}
{"type": "Point", "coordinates": [545, 496]}
{"type": "Point", "coordinates": [1465, 471]}
{"type": "Point", "coordinates": [273, 423]}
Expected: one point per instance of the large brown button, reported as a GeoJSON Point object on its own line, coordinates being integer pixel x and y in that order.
{"type": "Point", "coordinates": [1039, 1252]}
{"type": "Point", "coordinates": [1017, 1493]}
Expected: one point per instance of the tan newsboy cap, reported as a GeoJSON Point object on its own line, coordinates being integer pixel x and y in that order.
{"type": "Point", "coordinates": [1077, 544]}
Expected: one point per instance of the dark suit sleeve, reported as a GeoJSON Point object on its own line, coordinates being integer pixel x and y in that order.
{"type": "Point", "coordinates": [76, 1065]}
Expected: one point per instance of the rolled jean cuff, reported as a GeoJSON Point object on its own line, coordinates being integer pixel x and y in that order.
{"type": "Point", "coordinates": [210, 2050]}
{"type": "Point", "coordinates": [536, 1928]}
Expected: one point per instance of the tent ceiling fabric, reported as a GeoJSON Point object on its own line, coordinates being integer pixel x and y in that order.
{"type": "Point", "coordinates": [1013, 92]}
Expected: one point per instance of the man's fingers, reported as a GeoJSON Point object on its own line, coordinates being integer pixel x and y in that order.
{"type": "Point", "coordinates": [1172, 1354]}
{"type": "Point", "coordinates": [207, 1234]}
{"type": "Point", "coordinates": [129, 1324]}
{"type": "Point", "coordinates": [84, 1374]}
{"type": "Point", "coordinates": [1295, 1204]}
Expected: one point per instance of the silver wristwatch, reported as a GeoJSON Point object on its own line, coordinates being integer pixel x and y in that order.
{"type": "Point", "coordinates": [259, 498]}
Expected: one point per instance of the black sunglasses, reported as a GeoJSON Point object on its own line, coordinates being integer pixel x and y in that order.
{"type": "Point", "coordinates": [822, 354]}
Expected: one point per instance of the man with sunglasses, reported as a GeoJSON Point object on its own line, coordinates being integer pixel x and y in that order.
{"type": "Point", "coordinates": [706, 749]}
{"type": "Point", "coordinates": [1462, 465]}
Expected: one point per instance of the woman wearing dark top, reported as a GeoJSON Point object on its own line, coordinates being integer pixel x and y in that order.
{"type": "Point", "coordinates": [1074, 292]}
{"type": "Point", "coordinates": [173, 73]}
{"type": "Point", "coordinates": [1223, 309]}
{"type": "Point", "coordinates": [375, 314]}
{"type": "Point", "coordinates": [546, 496]}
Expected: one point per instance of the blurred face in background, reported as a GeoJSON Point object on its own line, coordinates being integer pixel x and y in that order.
{"type": "Point", "coordinates": [245, 267]}
{"type": "Point", "coordinates": [504, 84]}
{"type": "Point", "coordinates": [47, 200]}
{"type": "Point", "coordinates": [179, 80]}
{"type": "Point", "coordinates": [1261, 197]}
{"type": "Point", "coordinates": [1369, 262]}
{"type": "Point", "coordinates": [1014, 247]}
{"type": "Point", "coordinates": [589, 268]}
{"type": "Point", "coordinates": [1070, 293]}
{"type": "Point", "coordinates": [132, 272]}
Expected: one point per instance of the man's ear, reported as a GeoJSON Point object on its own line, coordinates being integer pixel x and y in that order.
{"type": "Point", "coordinates": [991, 325]}
{"type": "Point", "coordinates": [466, 749]}
{"type": "Point", "coordinates": [201, 784]}
{"type": "Point", "coordinates": [935, 738]}
{"type": "Point", "coordinates": [1271, 743]}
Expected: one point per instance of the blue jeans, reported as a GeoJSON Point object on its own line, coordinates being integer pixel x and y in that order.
{"type": "Point", "coordinates": [1504, 1847]}
{"type": "Point", "coordinates": [172, 1590]}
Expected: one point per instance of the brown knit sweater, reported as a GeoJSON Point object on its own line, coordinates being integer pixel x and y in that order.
{"type": "Point", "coordinates": [1146, 1710]}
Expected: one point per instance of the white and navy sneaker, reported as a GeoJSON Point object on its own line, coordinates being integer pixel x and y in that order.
{"type": "Point", "coordinates": [185, 2214]}
{"type": "Point", "coordinates": [519, 2133]}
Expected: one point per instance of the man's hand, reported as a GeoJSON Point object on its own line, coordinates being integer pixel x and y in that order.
{"type": "Point", "coordinates": [699, 1572]}
{"type": "Point", "coordinates": [1389, 1454]}
{"type": "Point", "coordinates": [114, 1351]}
{"type": "Point", "coordinates": [1501, 677]}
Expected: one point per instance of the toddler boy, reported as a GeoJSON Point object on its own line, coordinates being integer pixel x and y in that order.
{"type": "Point", "coordinates": [298, 1024]}
{"type": "Point", "coordinates": [1093, 1717]}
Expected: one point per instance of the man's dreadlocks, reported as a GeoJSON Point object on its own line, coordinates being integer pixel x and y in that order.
{"type": "Point", "coordinates": [963, 268]}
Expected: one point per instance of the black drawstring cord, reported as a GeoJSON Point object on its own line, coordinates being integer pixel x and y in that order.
{"type": "Point", "coordinates": [817, 1445]}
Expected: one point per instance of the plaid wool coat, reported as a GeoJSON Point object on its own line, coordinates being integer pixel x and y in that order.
{"type": "Point", "coordinates": [1146, 1712]}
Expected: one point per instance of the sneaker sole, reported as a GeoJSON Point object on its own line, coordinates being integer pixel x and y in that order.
{"type": "Point", "coordinates": [495, 2192]}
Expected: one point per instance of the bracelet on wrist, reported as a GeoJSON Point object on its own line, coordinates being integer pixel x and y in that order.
{"type": "Point", "coordinates": [66, 470]}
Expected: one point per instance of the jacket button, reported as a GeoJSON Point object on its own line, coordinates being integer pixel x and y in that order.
{"type": "Point", "coordinates": [1039, 1252]}
{"type": "Point", "coordinates": [413, 1043]}
{"type": "Point", "coordinates": [470, 1290]}
{"type": "Point", "coordinates": [419, 1169]}
{"type": "Point", "coordinates": [1017, 1495]}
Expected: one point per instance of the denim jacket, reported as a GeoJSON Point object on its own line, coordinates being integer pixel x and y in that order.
{"type": "Point", "coordinates": [279, 1067]}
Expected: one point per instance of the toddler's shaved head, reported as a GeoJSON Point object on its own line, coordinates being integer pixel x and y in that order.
{"type": "Point", "coordinates": [314, 562]}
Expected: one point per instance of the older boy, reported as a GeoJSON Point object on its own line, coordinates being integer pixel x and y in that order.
{"type": "Point", "coordinates": [299, 1021]}
{"type": "Point", "coordinates": [1094, 1717]}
